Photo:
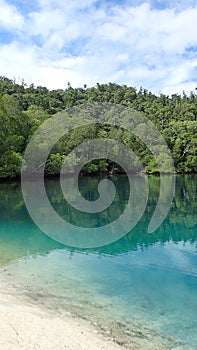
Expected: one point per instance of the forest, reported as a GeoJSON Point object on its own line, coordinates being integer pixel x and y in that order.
{"type": "Point", "coordinates": [24, 108]}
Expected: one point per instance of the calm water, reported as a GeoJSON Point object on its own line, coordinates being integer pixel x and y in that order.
{"type": "Point", "coordinates": [144, 285]}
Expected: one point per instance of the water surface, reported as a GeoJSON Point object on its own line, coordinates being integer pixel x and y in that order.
{"type": "Point", "coordinates": [142, 286]}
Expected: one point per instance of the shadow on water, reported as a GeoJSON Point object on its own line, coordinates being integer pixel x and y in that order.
{"type": "Point", "coordinates": [20, 237]}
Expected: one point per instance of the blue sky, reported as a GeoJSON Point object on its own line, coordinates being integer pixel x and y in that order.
{"type": "Point", "coordinates": [150, 43]}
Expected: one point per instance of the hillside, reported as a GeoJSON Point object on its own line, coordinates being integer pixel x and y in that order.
{"type": "Point", "coordinates": [23, 108]}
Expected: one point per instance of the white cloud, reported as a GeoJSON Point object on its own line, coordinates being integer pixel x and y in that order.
{"type": "Point", "coordinates": [84, 44]}
{"type": "Point", "coordinates": [17, 61]}
{"type": "Point", "coordinates": [46, 22]}
{"type": "Point", "coordinates": [10, 18]}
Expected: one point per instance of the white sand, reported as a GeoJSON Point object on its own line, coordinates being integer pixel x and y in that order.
{"type": "Point", "coordinates": [25, 327]}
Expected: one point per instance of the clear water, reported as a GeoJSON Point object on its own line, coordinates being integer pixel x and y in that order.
{"type": "Point", "coordinates": [143, 287]}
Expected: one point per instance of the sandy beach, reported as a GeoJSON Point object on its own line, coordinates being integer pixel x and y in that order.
{"type": "Point", "coordinates": [25, 326]}
{"type": "Point", "coordinates": [28, 322]}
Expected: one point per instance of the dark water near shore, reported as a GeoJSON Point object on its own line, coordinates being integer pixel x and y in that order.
{"type": "Point", "coordinates": [144, 285]}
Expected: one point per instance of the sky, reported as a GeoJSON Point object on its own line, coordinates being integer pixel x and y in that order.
{"type": "Point", "coordinates": [148, 43]}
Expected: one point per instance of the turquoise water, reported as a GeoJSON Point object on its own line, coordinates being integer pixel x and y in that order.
{"type": "Point", "coordinates": [143, 286]}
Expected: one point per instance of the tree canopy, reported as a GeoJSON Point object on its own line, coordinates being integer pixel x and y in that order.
{"type": "Point", "coordinates": [23, 109]}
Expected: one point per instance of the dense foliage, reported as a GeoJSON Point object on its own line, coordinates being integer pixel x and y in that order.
{"type": "Point", "coordinates": [23, 108]}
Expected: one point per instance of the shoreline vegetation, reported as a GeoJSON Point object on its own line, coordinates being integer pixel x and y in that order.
{"type": "Point", "coordinates": [24, 108]}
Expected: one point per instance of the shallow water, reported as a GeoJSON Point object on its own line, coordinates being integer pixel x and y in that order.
{"type": "Point", "coordinates": [143, 286]}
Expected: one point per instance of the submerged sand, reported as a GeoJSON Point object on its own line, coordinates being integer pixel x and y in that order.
{"type": "Point", "coordinates": [24, 326]}
{"type": "Point", "coordinates": [28, 325]}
